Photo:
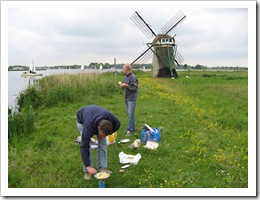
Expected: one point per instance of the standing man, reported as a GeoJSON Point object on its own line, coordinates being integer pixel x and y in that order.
{"type": "Point", "coordinates": [94, 120]}
{"type": "Point", "coordinates": [130, 86]}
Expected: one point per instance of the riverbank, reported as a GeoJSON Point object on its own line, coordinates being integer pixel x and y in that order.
{"type": "Point", "coordinates": [204, 133]}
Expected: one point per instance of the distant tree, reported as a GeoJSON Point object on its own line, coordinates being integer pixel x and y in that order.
{"type": "Point", "coordinates": [198, 66]}
{"type": "Point", "coordinates": [93, 65]}
{"type": "Point", "coordinates": [107, 66]}
{"type": "Point", "coordinates": [18, 68]}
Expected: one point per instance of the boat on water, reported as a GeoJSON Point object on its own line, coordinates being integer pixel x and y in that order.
{"type": "Point", "coordinates": [31, 72]}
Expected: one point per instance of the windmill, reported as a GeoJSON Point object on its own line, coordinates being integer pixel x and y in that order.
{"type": "Point", "coordinates": [163, 48]}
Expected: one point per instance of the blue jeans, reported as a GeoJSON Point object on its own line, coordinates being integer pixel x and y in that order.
{"type": "Point", "coordinates": [130, 109]}
{"type": "Point", "coordinates": [101, 151]}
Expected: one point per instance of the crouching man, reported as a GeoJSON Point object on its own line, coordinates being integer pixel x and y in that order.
{"type": "Point", "coordinates": [94, 120]}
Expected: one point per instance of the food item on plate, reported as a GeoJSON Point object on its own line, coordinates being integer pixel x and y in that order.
{"type": "Point", "coordinates": [102, 175]}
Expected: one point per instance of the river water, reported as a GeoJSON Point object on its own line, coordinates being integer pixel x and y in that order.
{"type": "Point", "coordinates": [18, 83]}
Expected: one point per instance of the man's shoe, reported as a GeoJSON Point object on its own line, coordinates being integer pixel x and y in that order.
{"type": "Point", "coordinates": [128, 133]}
{"type": "Point", "coordinates": [87, 176]}
{"type": "Point", "coordinates": [78, 140]}
{"type": "Point", "coordinates": [105, 170]}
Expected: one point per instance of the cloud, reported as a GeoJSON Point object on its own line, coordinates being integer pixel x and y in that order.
{"type": "Point", "coordinates": [52, 36]}
{"type": "Point", "coordinates": [219, 35]}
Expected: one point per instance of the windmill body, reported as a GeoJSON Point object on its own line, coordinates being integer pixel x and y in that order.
{"type": "Point", "coordinates": [163, 47]}
{"type": "Point", "coordinates": [163, 57]}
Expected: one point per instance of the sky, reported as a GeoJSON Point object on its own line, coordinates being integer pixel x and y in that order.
{"type": "Point", "coordinates": [54, 34]}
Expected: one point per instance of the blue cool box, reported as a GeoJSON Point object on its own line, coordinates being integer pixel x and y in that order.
{"type": "Point", "coordinates": [151, 136]}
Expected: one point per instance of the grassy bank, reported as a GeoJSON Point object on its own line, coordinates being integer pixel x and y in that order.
{"type": "Point", "coordinates": [203, 121]}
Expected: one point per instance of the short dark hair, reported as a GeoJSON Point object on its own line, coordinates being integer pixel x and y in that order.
{"type": "Point", "coordinates": [106, 127]}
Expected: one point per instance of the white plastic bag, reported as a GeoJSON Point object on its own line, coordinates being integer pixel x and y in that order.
{"type": "Point", "coordinates": [135, 144]}
{"type": "Point", "coordinates": [125, 158]}
{"type": "Point", "coordinates": [151, 145]}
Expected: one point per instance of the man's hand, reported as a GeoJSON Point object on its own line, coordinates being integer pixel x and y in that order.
{"type": "Point", "coordinates": [91, 170]}
{"type": "Point", "coordinates": [124, 85]}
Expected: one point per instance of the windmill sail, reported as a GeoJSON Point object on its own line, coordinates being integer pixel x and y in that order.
{"type": "Point", "coordinates": [146, 55]}
{"type": "Point", "coordinates": [174, 22]}
{"type": "Point", "coordinates": [178, 58]}
{"type": "Point", "coordinates": [142, 25]}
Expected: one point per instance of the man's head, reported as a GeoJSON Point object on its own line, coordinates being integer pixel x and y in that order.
{"type": "Point", "coordinates": [127, 68]}
{"type": "Point", "coordinates": [105, 128]}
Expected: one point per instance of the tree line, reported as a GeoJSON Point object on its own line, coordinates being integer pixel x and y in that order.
{"type": "Point", "coordinates": [96, 65]}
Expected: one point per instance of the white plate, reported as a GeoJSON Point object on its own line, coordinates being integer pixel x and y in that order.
{"type": "Point", "coordinates": [102, 175]}
{"type": "Point", "coordinates": [125, 141]}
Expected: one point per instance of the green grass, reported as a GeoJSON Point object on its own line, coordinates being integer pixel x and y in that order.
{"type": "Point", "coordinates": [203, 121]}
{"type": "Point", "coordinates": [20, 124]}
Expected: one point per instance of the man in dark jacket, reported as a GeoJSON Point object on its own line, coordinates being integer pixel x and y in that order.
{"type": "Point", "coordinates": [130, 86]}
{"type": "Point", "coordinates": [94, 120]}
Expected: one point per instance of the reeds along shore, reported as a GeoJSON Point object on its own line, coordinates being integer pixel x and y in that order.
{"type": "Point", "coordinates": [52, 90]}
